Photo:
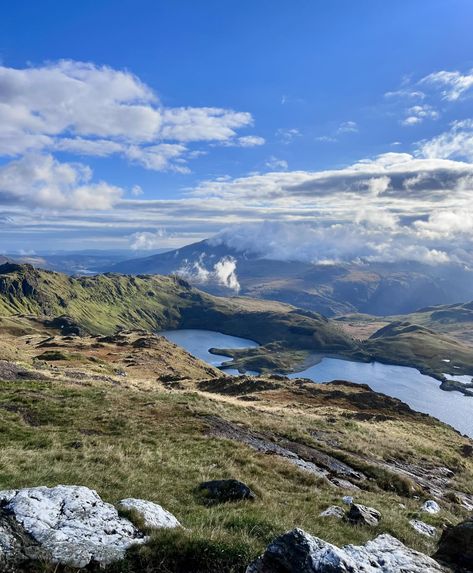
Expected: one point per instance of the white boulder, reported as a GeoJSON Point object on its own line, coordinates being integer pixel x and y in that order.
{"type": "Point", "coordinates": [68, 525]}
{"type": "Point", "coordinates": [431, 506]}
{"type": "Point", "coordinates": [153, 515]}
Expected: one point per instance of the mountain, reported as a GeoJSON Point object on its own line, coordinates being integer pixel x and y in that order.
{"type": "Point", "coordinates": [331, 289]}
{"type": "Point", "coordinates": [102, 304]}
{"type": "Point", "coordinates": [288, 336]}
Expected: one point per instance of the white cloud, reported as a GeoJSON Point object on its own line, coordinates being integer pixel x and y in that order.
{"type": "Point", "coordinates": [276, 164]}
{"type": "Point", "coordinates": [42, 181]}
{"type": "Point", "coordinates": [348, 127]}
{"type": "Point", "coordinates": [146, 241]}
{"type": "Point", "coordinates": [222, 273]}
{"type": "Point", "coordinates": [136, 190]}
{"type": "Point", "coordinates": [457, 142]}
{"type": "Point", "coordinates": [288, 135]}
{"type": "Point", "coordinates": [455, 83]}
{"type": "Point", "coordinates": [244, 141]}
{"type": "Point", "coordinates": [84, 109]}
{"type": "Point", "coordinates": [418, 113]}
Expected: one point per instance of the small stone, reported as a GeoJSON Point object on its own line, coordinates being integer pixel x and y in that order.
{"type": "Point", "coordinates": [333, 511]}
{"type": "Point", "coordinates": [431, 506]}
{"type": "Point", "coordinates": [423, 528]}
{"type": "Point", "coordinates": [347, 499]}
{"type": "Point", "coordinates": [223, 490]}
{"type": "Point", "coordinates": [153, 515]}
{"type": "Point", "coordinates": [363, 515]}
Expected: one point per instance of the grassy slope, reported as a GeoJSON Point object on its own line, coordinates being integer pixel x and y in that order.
{"type": "Point", "coordinates": [134, 437]}
{"type": "Point", "coordinates": [104, 303]}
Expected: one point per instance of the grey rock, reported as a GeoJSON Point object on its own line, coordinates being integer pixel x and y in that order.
{"type": "Point", "coordinates": [423, 528]}
{"type": "Point", "coordinates": [299, 552]}
{"type": "Point", "coordinates": [67, 525]}
{"type": "Point", "coordinates": [363, 515]}
{"type": "Point", "coordinates": [222, 490]}
{"type": "Point", "coordinates": [152, 514]}
{"type": "Point", "coordinates": [456, 545]}
{"type": "Point", "coordinates": [347, 499]}
{"type": "Point", "coordinates": [431, 506]}
{"type": "Point", "coordinates": [333, 511]}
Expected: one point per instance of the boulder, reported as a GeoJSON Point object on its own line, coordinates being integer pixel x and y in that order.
{"type": "Point", "coordinates": [333, 511]}
{"type": "Point", "coordinates": [363, 515]}
{"type": "Point", "coordinates": [222, 490]}
{"type": "Point", "coordinates": [423, 528]}
{"type": "Point", "coordinates": [299, 552]}
{"type": "Point", "coordinates": [431, 506]}
{"type": "Point", "coordinates": [67, 525]}
{"type": "Point", "coordinates": [152, 514]}
{"type": "Point", "coordinates": [456, 545]}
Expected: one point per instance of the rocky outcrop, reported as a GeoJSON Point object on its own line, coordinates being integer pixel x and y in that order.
{"type": "Point", "coordinates": [423, 528]}
{"type": "Point", "coordinates": [223, 490]}
{"type": "Point", "coordinates": [363, 515]}
{"type": "Point", "coordinates": [152, 514]}
{"type": "Point", "coordinates": [299, 552]}
{"type": "Point", "coordinates": [67, 525]}
{"type": "Point", "coordinates": [456, 545]}
{"type": "Point", "coordinates": [333, 511]}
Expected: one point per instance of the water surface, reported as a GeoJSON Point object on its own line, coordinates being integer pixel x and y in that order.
{"type": "Point", "coordinates": [421, 392]}
{"type": "Point", "coordinates": [198, 342]}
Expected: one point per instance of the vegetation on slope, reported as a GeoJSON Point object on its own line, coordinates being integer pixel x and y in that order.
{"type": "Point", "coordinates": [152, 434]}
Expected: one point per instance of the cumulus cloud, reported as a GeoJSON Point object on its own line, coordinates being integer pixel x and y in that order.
{"type": "Point", "coordinates": [418, 113]}
{"type": "Point", "coordinates": [147, 241]}
{"type": "Point", "coordinates": [396, 206]}
{"type": "Point", "coordinates": [222, 273]}
{"type": "Point", "coordinates": [457, 142]}
{"type": "Point", "coordinates": [89, 110]}
{"type": "Point", "coordinates": [42, 181]}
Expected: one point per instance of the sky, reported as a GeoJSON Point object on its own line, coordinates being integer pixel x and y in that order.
{"type": "Point", "coordinates": [312, 130]}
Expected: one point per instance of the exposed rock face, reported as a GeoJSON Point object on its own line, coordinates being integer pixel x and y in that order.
{"type": "Point", "coordinates": [68, 525]}
{"type": "Point", "coordinates": [223, 490]}
{"type": "Point", "coordinates": [299, 552]}
{"type": "Point", "coordinates": [153, 515]}
{"type": "Point", "coordinates": [333, 511]}
{"type": "Point", "coordinates": [363, 515]}
{"type": "Point", "coordinates": [423, 528]}
{"type": "Point", "coordinates": [456, 545]}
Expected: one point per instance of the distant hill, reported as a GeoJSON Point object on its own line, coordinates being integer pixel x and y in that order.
{"type": "Point", "coordinates": [335, 289]}
{"type": "Point", "coordinates": [104, 304]}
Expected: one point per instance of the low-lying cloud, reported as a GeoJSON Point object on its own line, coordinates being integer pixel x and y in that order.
{"type": "Point", "coordinates": [222, 273]}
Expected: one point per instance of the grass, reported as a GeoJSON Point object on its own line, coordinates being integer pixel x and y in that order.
{"type": "Point", "coordinates": [133, 441]}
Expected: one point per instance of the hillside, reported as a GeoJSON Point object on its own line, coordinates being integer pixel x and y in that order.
{"type": "Point", "coordinates": [331, 289]}
{"type": "Point", "coordinates": [133, 415]}
{"type": "Point", "coordinates": [104, 303]}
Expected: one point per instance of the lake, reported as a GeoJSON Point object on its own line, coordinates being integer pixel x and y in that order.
{"type": "Point", "coordinates": [420, 392]}
{"type": "Point", "coordinates": [197, 342]}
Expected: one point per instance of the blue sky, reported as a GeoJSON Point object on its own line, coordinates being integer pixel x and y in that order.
{"type": "Point", "coordinates": [236, 104]}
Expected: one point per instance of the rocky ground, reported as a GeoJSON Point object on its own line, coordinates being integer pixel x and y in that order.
{"type": "Point", "coordinates": [146, 436]}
